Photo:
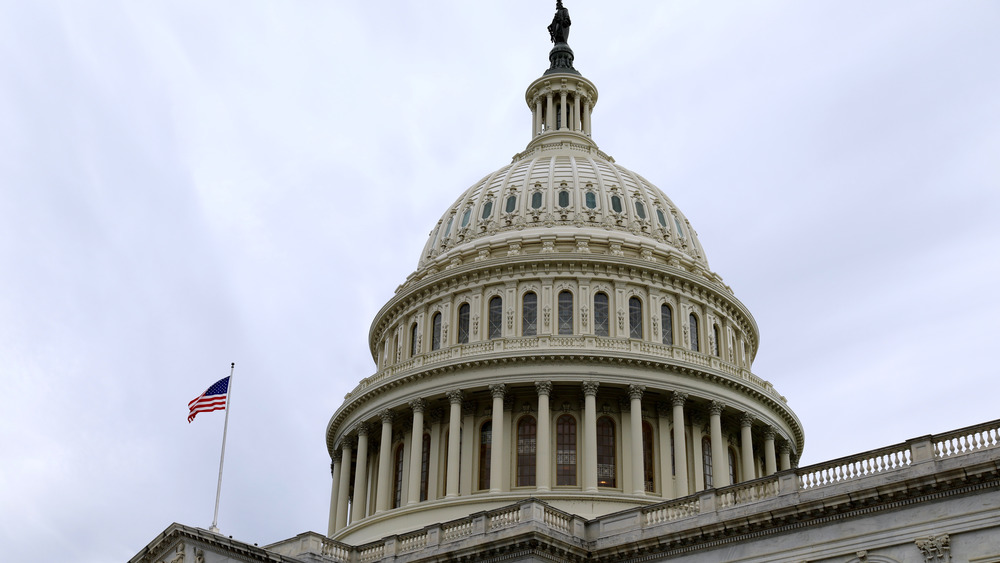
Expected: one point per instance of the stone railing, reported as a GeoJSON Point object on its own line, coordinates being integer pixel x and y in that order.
{"type": "Point", "coordinates": [533, 514]}
{"type": "Point", "coordinates": [576, 343]}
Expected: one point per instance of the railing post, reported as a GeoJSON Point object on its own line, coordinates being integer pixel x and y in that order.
{"type": "Point", "coordinates": [788, 482]}
{"type": "Point", "coordinates": [706, 502]}
{"type": "Point", "coordinates": [921, 449]}
{"type": "Point", "coordinates": [391, 547]}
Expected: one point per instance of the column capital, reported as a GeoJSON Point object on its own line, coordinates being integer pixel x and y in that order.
{"type": "Point", "coordinates": [337, 455]}
{"type": "Point", "coordinates": [455, 397]}
{"type": "Point", "coordinates": [418, 405]}
{"type": "Point", "coordinates": [716, 408]}
{"type": "Point", "coordinates": [497, 390]}
{"type": "Point", "coordinates": [387, 416]}
{"type": "Point", "coordinates": [543, 387]}
{"type": "Point", "coordinates": [361, 429]}
{"type": "Point", "coordinates": [678, 399]}
{"type": "Point", "coordinates": [746, 420]}
{"type": "Point", "coordinates": [636, 391]}
{"type": "Point", "coordinates": [770, 433]}
{"type": "Point", "coordinates": [785, 448]}
{"type": "Point", "coordinates": [590, 388]}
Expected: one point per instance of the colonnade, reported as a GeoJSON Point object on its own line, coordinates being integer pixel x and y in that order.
{"type": "Point", "coordinates": [458, 467]}
{"type": "Point", "coordinates": [561, 110]}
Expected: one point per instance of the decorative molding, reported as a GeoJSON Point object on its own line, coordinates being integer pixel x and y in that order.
{"type": "Point", "coordinates": [454, 397]}
{"type": "Point", "coordinates": [636, 391]}
{"type": "Point", "coordinates": [678, 399]}
{"type": "Point", "coordinates": [936, 549]}
{"type": "Point", "coordinates": [746, 420]}
{"type": "Point", "coordinates": [498, 390]}
{"type": "Point", "coordinates": [716, 407]}
{"type": "Point", "coordinates": [590, 388]}
{"type": "Point", "coordinates": [418, 405]}
{"type": "Point", "coordinates": [543, 387]}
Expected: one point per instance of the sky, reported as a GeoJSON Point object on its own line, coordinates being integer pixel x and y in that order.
{"type": "Point", "coordinates": [187, 184]}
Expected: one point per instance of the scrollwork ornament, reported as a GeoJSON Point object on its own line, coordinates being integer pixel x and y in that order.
{"type": "Point", "coordinates": [935, 549]}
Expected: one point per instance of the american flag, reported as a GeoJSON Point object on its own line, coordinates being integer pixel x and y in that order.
{"type": "Point", "coordinates": [213, 399]}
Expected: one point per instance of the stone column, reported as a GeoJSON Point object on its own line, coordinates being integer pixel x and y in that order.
{"type": "Point", "coordinates": [344, 492]}
{"type": "Point", "coordinates": [537, 121]}
{"type": "Point", "coordinates": [466, 480]}
{"type": "Point", "coordinates": [416, 450]}
{"type": "Point", "coordinates": [550, 112]}
{"type": "Point", "coordinates": [497, 390]}
{"type": "Point", "coordinates": [666, 473]}
{"type": "Point", "coordinates": [784, 451]}
{"type": "Point", "coordinates": [697, 437]}
{"type": "Point", "coordinates": [454, 433]}
{"type": "Point", "coordinates": [635, 420]}
{"type": "Point", "coordinates": [746, 446]}
{"type": "Point", "coordinates": [576, 113]}
{"type": "Point", "coordinates": [383, 487]}
{"type": "Point", "coordinates": [563, 114]}
{"type": "Point", "coordinates": [770, 467]}
{"type": "Point", "coordinates": [360, 501]}
{"type": "Point", "coordinates": [433, 471]}
{"type": "Point", "coordinates": [543, 441]}
{"type": "Point", "coordinates": [720, 459]}
{"type": "Point", "coordinates": [335, 467]}
{"type": "Point", "coordinates": [586, 117]}
{"type": "Point", "coordinates": [680, 448]}
{"type": "Point", "coordinates": [590, 436]}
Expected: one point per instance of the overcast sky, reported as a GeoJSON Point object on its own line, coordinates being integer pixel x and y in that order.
{"type": "Point", "coordinates": [188, 184]}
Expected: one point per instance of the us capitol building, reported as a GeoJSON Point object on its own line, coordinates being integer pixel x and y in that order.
{"type": "Point", "coordinates": [564, 378]}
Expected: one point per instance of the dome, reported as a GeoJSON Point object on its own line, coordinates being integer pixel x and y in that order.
{"type": "Point", "coordinates": [562, 338]}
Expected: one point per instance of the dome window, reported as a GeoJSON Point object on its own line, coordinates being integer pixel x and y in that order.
{"type": "Point", "coordinates": [536, 200]}
{"type": "Point", "coordinates": [487, 209]}
{"type": "Point", "coordinates": [634, 318]}
{"type": "Point", "coordinates": [661, 218]}
{"type": "Point", "coordinates": [616, 204]}
{"type": "Point", "coordinates": [495, 318]}
{"type": "Point", "coordinates": [447, 229]}
{"type": "Point", "coordinates": [591, 200]}
{"type": "Point", "coordinates": [565, 312]}
{"type": "Point", "coordinates": [463, 324]}
{"type": "Point", "coordinates": [564, 198]}
{"type": "Point", "coordinates": [601, 324]}
{"type": "Point", "coordinates": [466, 216]}
{"type": "Point", "coordinates": [511, 204]}
{"type": "Point", "coordinates": [529, 314]}
{"type": "Point", "coordinates": [640, 209]}
{"type": "Point", "coordinates": [680, 230]}
{"type": "Point", "coordinates": [667, 322]}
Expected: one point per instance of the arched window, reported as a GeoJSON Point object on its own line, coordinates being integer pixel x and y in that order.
{"type": "Point", "coordinates": [601, 327]}
{"type": "Point", "coordinates": [667, 322]}
{"type": "Point", "coordinates": [425, 465]}
{"type": "Point", "coordinates": [529, 314]}
{"type": "Point", "coordinates": [634, 318]}
{"type": "Point", "coordinates": [565, 312]}
{"type": "Point", "coordinates": [693, 321]}
{"type": "Point", "coordinates": [606, 470]}
{"type": "Point", "coordinates": [706, 460]}
{"type": "Point", "coordinates": [397, 477]}
{"type": "Point", "coordinates": [463, 323]}
{"type": "Point", "coordinates": [526, 433]}
{"type": "Point", "coordinates": [732, 466]}
{"type": "Point", "coordinates": [436, 331]}
{"type": "Point", "coordinates": [566, 450]}
{"type": "Point", "coordinates": [496, 317]}
{"type": "Point", "coordinates": [485, 443]}
{"type": "Point", "coordinates": [715, 340]}
{"type": "Point", "coordinates": [648, 471]}
{"type": "Point", "coordinates": [414, 340]}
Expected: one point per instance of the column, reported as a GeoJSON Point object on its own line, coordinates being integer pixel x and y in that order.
{"type": "Point", "coordinates": [466, 478]}
{"type": "Point", "coordinates": [576, 113]}
{"type": "Point", "coordinates": [720, 457]}
{"type": "Point", "coordinates": [454, 433]}
{"type": "Point", "coordinates": [586, 116]}
{"type": "Point", "coordinates": [666, 468]}
{"type": "Point", "coordinates": [416, 450]}
{"type": "Point", "coordinates": [345, 483]}
{"type": "Point", "coordinates": [543, 441]}
{"type": "Point", "coordinates": [433, 471]}
{"type": "Point", "coordinates": [680, 448]}
{"type": "Point", "coordinates": [360, 501]}
{"type": "Point", "coordinates": [538, 117]}
{"type": "Point", "coordinates": [335, 466]}
{"type": "Point", "coordinates": [635, 419]}
{"type": "Point", "coordinates": [697, 435]}
{"type": "Point", "coordinates": [497, 390]}
{"type": "Point", "coordinates": [770, 467]}
{"type": "Point", "coordinates": [784, 451]}
{"type": "Point", "coordinates": [508, 432]}
{"type": "Point", "coordinates": [550, 112]}
{"type": "Point", "coordinates": [383, 487]}
{"type": "Point", "coordinates": [746, 446]}
{"type": "Point", "coordinates": [562, 111]}
{"type": "Point", "coordinates": [590, 436]}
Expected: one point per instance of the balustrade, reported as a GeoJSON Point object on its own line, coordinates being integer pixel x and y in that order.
{"type": "Point", "coordinates": [670, 511]}
{"type": "Point", "coordinates": [966, 440]}
{"type": "Point", "coordinates": [505, 517]}
{"type": "Point", "coordinates": [413, 541]}
{"type": "Point", "coordinates": [748, 492]}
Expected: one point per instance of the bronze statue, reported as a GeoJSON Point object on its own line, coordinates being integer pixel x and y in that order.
{"type": "Point", "coordinates": [559, 28]}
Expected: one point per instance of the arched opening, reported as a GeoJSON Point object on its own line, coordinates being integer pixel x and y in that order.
{"type": "Point", "coordinates": [463, 323]}
{"type": "Point", "coordinates": [526, 437]}
{"type": "Point", "coordinates": [565, 312]}
{"type": "Point", "coordinates": [601, 324]}
{"type": "Point", "coordinates": [436, 331]}
{"type": "Point", "coordinates": [634, 318]}
{"type": "Point", "coordinates": [566, 450]}
{"type": "Point", "coordinates": [496, 317]}
{"type": "Point", "coordinates": [485, 446]}
{"type": "Point", "coordinates": [529, 314]}
{"type": "Point", "coordinates": [706, 460]}
{"type": "Point", "coordinates": [607, 470]}
{"type": "Point", "coordinates": [667, 324]}
{"type": "Point", "coordinates": [693, 322]}
{"type": "Point", "coordinates": [414, 340]}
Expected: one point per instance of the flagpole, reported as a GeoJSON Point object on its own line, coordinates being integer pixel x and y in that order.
{"type": "Point", "coordinates": [225, 429]}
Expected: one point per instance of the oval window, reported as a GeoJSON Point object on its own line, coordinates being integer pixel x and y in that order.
{"type": "Point", "coordinates": [511, 203]}
{"type": "Point", "coordinates": [564, 198]}
{"type": "Point", "coordinates": [680, 230]}
{"type": "Point", "coordinates": [661, 218]}
{"type": "Point", "coordinates": [616, 204]}
{"type": "Point", "coordinates": [536, 200]}
{"type": "Point", "coordinates": [640, 209]}
{"type": "Point", "coordinates": [465, 217]}
{"type": "Point", "coordinates": [591, 200]}
{"type": "Point", "coordinates": [488, 209]}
